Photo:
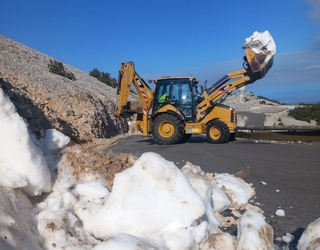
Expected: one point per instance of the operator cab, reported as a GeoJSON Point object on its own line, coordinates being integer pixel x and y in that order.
{"type": "Point", "coordinates": [179, 92]}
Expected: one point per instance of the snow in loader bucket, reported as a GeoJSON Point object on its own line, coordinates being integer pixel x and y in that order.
{"type": "Point", "coordinates": [260, 49]}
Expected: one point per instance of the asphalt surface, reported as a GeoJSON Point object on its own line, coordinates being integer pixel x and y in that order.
{"type": "Point", "coordinates": [254, 119]}
{"type": "Point", "coordinates": [291, 172]}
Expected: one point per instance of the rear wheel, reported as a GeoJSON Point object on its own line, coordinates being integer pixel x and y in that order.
{"type": "Point", "coordinates": [167, 129]}
{"type": "Point", "coordinates": [217, 132]}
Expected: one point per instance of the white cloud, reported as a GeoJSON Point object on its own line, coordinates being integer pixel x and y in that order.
{"type": "Point", "coordinates": [315, 16]}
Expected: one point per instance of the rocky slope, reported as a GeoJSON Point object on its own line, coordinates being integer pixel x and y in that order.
{"type": "Point", "coordinates": [81, 109]}
{"type": "Point", "coordinates": [275, 113]}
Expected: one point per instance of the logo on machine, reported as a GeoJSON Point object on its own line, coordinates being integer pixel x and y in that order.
{"type": "Point", "coordinates": [225, 88]}
{"type": "Point", "coordinates": [139, 83]}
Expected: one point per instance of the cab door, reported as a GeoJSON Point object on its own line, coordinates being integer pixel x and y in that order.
{"type": "Point", "coordinates": [183, 98]}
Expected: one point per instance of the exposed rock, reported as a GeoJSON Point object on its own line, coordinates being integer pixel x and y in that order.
{"type": "Point", "coordinates": [243, 174]}
{"type": "Point", "coordinates": [91, 160]}
{"type": "Point", "coordinates": [81, 109]}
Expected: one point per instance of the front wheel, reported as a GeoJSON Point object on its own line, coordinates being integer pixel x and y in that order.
{"type": "Point", "coordinates": [167, 129]}
{"type": "Point", "coordinates": [217, 132]}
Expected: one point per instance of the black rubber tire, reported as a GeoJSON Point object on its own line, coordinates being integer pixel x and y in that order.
{"type": "Point", "coordinates": [167, 129]}
{"type": "Point", "coordinates": [233, 137]}
{"type": "Point", "coordinates": [185, 138]}
{"type": "Point", "coordinates": [217, 132]}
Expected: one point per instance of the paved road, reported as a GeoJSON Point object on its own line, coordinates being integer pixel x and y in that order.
{"type": "Point", "coordinates": [294, 169]}
{"type": "Point", "coordinates": [254, 119]}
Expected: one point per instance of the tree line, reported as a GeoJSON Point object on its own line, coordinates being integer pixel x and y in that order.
{"type": "Point", "coordinates": [307, 113]}
{"type": "Point", "coordinates": [57, 67]}
{"type": "Point", "coordinates": [104, 77]}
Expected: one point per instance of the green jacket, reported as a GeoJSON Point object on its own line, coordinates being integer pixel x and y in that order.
{"type": "Point", "coordinates": [163, 98]}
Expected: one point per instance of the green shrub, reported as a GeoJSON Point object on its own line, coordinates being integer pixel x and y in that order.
{"type": "Point", "coordinates": [104, 77]}
{"type": "Point", "coordinates": [307, 113]}
{"type": "Point", "coordinates": [57, 68]}
{"type": "Point", "coordinates": [270, 100]}
{"type": "Point", "coordinates": [263, 102]}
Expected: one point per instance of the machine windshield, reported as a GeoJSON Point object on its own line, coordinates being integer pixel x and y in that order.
{"type": "Point", "coordinates": [175, 91]}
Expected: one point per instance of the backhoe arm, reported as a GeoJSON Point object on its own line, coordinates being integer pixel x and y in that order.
{"type": "Point", "coordinates": [127, 77]}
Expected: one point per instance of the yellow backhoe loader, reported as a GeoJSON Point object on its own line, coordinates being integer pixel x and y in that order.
{"type": "Point", "coordinates": [179, 107]}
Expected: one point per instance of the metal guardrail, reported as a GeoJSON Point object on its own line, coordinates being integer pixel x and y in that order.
{"type": "Point", "coordinates": [280, 133]}
{"type": "Point", "coordinates": [288, 128]}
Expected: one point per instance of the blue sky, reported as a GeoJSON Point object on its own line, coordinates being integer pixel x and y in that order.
{"type": "Point", "coordinates": [175, 37]}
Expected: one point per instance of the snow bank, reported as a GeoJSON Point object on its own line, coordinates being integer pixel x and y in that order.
{"type": "Point", "coordinates": [152, 205]}
{"type": "Point", "coordinates": [22, 164]}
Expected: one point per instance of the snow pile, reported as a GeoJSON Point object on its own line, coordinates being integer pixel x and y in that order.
{"type": "Point", "coordinates": [264, 48]}
{"type": "Point", "coordinates": [152, 205]}
{"type": "Point", "coordinates": [261, 42]}
{"type": "Point", "coordinates": [22, 164]}
{"type": "Point", "coordinates": [152, 184]}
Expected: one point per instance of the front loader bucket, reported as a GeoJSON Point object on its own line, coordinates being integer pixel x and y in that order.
{"type": "Point", "coordinates": [259, 63]}
{"type": "Point", "coordinates": [260, 49]}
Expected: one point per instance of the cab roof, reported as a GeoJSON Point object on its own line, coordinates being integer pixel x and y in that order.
{"type": "Point", "coordinates": [175, 77]}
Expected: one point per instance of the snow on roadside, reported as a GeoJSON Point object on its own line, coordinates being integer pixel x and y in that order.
{"type": "Point", "coordinates": [20, 168]}
{"type": "Point", "coordinates": [152, 205]}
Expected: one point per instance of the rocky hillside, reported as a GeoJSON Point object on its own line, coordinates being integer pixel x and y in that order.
{"type": "Point", "coordinates": [275, 113]}
{"type": "Point", "coordinates": [82, 109]}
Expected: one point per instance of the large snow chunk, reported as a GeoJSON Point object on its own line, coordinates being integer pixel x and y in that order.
{"type": "Point", "coordinates": [310, 239]}
{"type": "Point", "coordinates": [260, 50]}
{"type": "Point", "coordinates": [151, 184]}
{"type": "Point", "coordinates": [55, 139]}
{"type": "Point", "coordinates": [220, 199]}
{"type": "Point", "coordinates": [261, 42]}
{"type": "Point", "coordinates": [22, 162]}
{"type": "Point", "coordinates": [204, 187]}
{"type": "Point", "coordinates": [236, 188]}
{"type": "Point", "coordinates": [253, 232]}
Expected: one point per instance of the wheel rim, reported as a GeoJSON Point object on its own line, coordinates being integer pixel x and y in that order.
{"type": "Point", "coordinates": [166, 129]}
{"type": "Point", "coordinates": [215, 133]}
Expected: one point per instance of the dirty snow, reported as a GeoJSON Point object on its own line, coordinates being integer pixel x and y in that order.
{"type": "Point", "coordinates": [152, 205]}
